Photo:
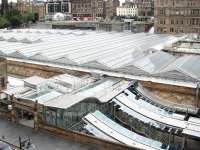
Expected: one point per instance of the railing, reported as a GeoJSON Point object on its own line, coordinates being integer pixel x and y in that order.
{"type": "Point", "coordinates": [14, 147]}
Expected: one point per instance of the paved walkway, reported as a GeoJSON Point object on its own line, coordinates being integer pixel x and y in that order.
{"type": "Point", "coordinates": [42, 140]}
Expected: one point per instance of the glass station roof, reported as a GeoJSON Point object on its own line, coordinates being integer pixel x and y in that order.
{"type": "Point", "coordinates": [110, 51]}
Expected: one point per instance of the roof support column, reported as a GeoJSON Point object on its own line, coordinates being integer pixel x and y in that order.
{"type": "Point", "coordinates": [13, 111]}
{"type": "Point", "coordinates": [170, 134]}
{"type": "Point", "coordinates": [197, 94]}
{"type": "Point", "coordinates": [184, 143]}
{"type": "Point", "coordinates": [35, 114]}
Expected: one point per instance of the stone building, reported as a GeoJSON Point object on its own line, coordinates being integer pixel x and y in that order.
{"type": "Point", "coordinates": [35, 6]}
{"type": "Point", "coordinates": [127, 11]}
{"type": "Point", "coordinates": [87, 8]}
{"type": "Point", "coordinates": [60, 6]}
{"type": "Point", "coordinates": [145, 7]}
{"type": "Point", "coordinates": [111, 8]}
{"type": "Point", "coordinates": [92, 9]}
{"type": "Point", "coordinates": [177, 16]}
{"type": "Point", "coordinates": [24, 5]}
{"type": "Point", "coordinates": [39, 8]}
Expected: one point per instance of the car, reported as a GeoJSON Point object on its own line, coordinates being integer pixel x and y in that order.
{"type": "Point", "coordinates": [4, 146]}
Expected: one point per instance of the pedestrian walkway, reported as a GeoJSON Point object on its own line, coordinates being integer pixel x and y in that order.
{"type": "Point", "coordinates": [42, 140]}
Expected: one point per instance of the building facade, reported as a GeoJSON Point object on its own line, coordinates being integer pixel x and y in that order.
{"type": "Point", "coordinates": [127, 11]}
{"type": "Point", "coordinates": [145, 7]}
{"type": "Point", "coordinates": [24, 5]}
{"type": "Point", "coordinates": [80, 9]}
{"type": "Point", "coordinates": [58, 6]}
{"type": "Point", "coordinates": [38, 7]}
{"type": "Point", "coordinates": [94, 8]}
{"type": "Point", "coordinates": [87, 8]}
{"type": "Point", "coordinates": [41, 10]}
{"type": "Point", "coordinates": [177, 16]}
{"type": "Point", "coordinates": [111, 8]}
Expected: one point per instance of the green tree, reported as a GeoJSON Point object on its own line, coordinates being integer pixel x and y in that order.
{"type": "Point", "coordinates": [15, 21]}
{"type": "Point", "coordinates": [11, 13]}
{"type": "Point", "coordinates": [14, 18]}
{"type": "Point", "coordinates": [36, 17]}
{"type": "Point", "coordinates": [29, 17]}
{"type": "Point", "coordinates": [3, 22]}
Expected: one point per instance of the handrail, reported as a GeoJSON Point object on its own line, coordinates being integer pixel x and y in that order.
{"type": "Point", "coordinates": [14, 147]}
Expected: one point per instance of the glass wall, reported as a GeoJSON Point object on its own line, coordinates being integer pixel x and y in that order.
{"type": "Point", "coordinates": [67, 118]}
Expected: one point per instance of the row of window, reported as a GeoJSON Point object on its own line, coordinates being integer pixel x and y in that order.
{"type": "Point", "coordinates": [89, 5]}
{"type": "Point", "coordinates": [84, 10]}
{"type": "Point", "coordinates": [182, 30]}
{"type": "Point", "coordinates": [58, 7]}
{"type": "Point", "coordinates": [178, 3]}
{"type": "Point", "coordinates": [177, 30]}
{"type": "Point", "coordinates": [186, 12]}
{"type": "Point", "coordinates": [126, 11]}
{"type": "Point", "coordinates": [191, 21]}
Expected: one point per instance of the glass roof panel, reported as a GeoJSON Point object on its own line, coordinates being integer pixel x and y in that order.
{"type": "Point", "coordinates": [192, 67]}
{"type": "Point", "coordinates": [154, 62]}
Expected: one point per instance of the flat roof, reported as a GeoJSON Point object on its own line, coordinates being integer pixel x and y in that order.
{"type": "Point", "coordinates": [103, 91]}
{"type": "Point", "coordinates": [34, 80]}
{"type": "Point", "coordinates": [57, 94]}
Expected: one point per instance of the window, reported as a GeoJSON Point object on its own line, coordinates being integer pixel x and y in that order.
{"type": "Point", "coordinates": [181, 22]}
{"type": "Point", "coordinates": [162, 21]}
{"type": "Point", "coordinates": [171, 29]}
{"type": "Point", "coordinates": [172, 21]}
{"type": "Point", "coordinates": [162, 12]}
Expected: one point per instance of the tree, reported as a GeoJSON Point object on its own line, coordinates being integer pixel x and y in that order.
{"type": "Point", "coordinates": [29, 17]}
{"type": "Point", "coordinates": [3, 22]}
{"type": "Point", "coordinates": [13, 18]}
{"type": "Point", "coordinates": [11, 13]}
{"type": "Point", "coordinates": [36, 17]}
{"type": "Point", "coordinates": [15, 21]}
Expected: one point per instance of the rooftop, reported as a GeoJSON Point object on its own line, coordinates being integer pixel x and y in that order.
{"type": "Point", "coordinates": [135, 56]}
{"type": "Point", "coordinates": [58, 92]}
{"type": "Point", "coordinates": [189, 45]}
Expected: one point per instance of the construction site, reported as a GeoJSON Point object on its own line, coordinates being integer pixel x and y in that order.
{"type": "Point", "coordinates": [114, 90]}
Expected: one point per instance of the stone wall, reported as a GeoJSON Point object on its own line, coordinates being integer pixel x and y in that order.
{"type": "Point", "coordinates": [169, 88]}
{"type": "Point", "coordinates": [27, 70]}
{"type": "Point", "coordinates": [173, 94]}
